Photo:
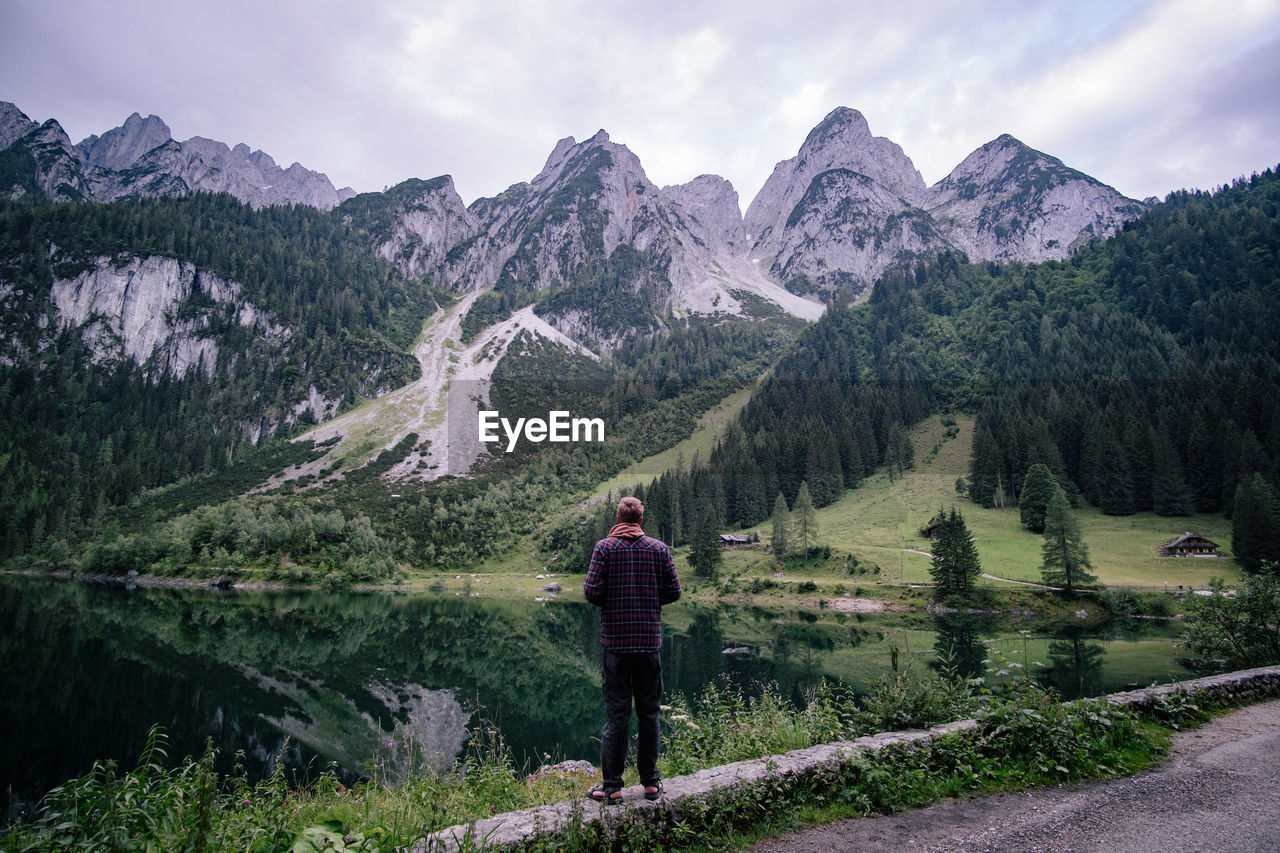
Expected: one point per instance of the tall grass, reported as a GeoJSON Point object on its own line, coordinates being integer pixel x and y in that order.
{"type": "Point", "coordinates": [1028, 738]}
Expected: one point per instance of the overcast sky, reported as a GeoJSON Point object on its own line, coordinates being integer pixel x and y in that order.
{"type": "Point", "coordinates": [1145, 96]}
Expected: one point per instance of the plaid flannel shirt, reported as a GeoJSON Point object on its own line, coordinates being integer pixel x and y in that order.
{"type": "Point", "coordinates": [630, 580]}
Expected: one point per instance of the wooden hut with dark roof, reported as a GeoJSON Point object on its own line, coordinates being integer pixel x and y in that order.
{"type": "Point", "coordinates": [1189, 545]}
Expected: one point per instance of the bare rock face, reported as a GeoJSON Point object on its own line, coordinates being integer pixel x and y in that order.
{"type": "Point", "coordinates": [842, 140]}
{"type": "Point", "coordinates": [846, 230]}
{"type": "Point", "coordinates": [1008, 202]}
{"type": "Point", "coordinates": [590, 198]}
{"type": "Point", "coordinates": [140, 159]}
{"type": "Point", "coordinates": [121, 147]}
{"type": "Point", "coordinates": [52, 165]}
{"type": "Point", "coordinates": [712, 205]}
{"type": "Point", "coordinates": [850, 205]}
{"type": "Point", "coordinates": [597, 249]}
{"type": "Point", "coordinates": [62, 176]}
{"type": "Point", "coordinates": [422, 227]}
{"type": "Point", "coordinates": [251, 176]}
{"type": "Point", "coordinates": [559, 237]}
{"type": "Point", "coordinates": [169, 317]}
{"type": "Point", "coordinates": [835, 211]}
{"type": "Point", "coordinates": [133, 310]}
{"type": "Point", "coordinates": [14, 124]}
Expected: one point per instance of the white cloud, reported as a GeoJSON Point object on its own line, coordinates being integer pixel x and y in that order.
{"type": "Point", "coordinates": [1149, 62]}
{"type": "Point", "coordinates": [1132, 91]}
{"type": "Point", "coordinates": [798, 110]}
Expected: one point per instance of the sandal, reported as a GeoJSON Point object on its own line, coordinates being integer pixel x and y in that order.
{"type": "Point", "coordinates": [608, 796]}
{"type": "Point", "coordinates": [655, 794]}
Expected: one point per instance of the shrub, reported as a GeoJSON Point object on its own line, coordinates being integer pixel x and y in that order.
{"type": "Point", "coordinates": [1057, 740]}
{"type": "Point", "coordinates": [1237, 628]}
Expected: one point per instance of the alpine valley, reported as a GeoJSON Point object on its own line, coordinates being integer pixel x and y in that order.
{"type": "Point", "coordinates": [213, 366]}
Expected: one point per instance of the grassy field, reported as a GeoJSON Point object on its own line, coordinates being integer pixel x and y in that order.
{"type": "Point", "coordinates": [704, 436]}
{"type": "Point", "coordinates": [880, 523]}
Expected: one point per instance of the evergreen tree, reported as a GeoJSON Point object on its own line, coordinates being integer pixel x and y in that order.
{"type": "Point", "coordinates": [705, 554]}
{"type": "Point", "coordinates": [804, 519]}
{"type": "Point", "coordinates": [1112, 478]}
{"type": "Point", "coordinates": [1255, 523]}
{"type": "Point", "coordinates": [1037, 490]}
{"type": "Point", "coordinates": [1169, 493]}
{"type": "Point", "coordinates": [899, 454]}
{"type": "Point", "coordinates": [781, 537]}
{"type": "Point", "coordinates": [1204, 465]}
{"type": "Point", "coordinates": [955, 557]}
{"type": "Point", "coordinates": [674, 526]}
{"type": "Point", "coordinates": [1065, 555]}
{"type": "Point", "coordinates": [983, 464]}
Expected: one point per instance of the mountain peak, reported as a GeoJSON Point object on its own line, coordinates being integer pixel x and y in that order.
{"type": "Point", "coordinates": [14, 124]}
{"type": "Point", "coordinates": [712, 203]}
{"type": "Point", "coordinates": [558, 154]}
{"type": "Point", "coordinates": [841, 164]}
{"type": "Point", "coordinates": [1007, 158]}
{"type": "Point", "coordinates": [121, 147]}
{"type": "Point", "coordinates": [1009, 202]}
{"type": "Point", "coordinates": [842, 123]}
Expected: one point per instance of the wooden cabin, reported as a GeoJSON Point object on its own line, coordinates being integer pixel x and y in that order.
{"type": "Point", "coordinates": [733, 540]}
{"type": "Point", "coordinates": [1189, 545]}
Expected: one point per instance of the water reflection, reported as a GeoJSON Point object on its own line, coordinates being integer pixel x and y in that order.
{"type": "Point", "coordinates": [380, 683]}
{"type": "Point", "coordinates": [960, 645]}
{"type": "Point", "coordinates": [1075, 665]}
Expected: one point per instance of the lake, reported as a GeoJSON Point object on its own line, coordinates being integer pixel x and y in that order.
{"type": "Point", "coordinates": [351, 679]}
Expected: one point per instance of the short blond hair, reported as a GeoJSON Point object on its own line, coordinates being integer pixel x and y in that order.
{"type": "Point", "coordinates": [630, 511]}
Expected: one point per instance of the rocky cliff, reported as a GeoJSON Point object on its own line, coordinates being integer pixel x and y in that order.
{"type": "Point", "coordinates": [40, 159]}
{"type": "Point", "coordinates": [143, 309]}
{"type": "Point", "coordinates": [590, 237]}
{"type": "Point", "coordinates": [844, 208]}
{"type": "Point", "coordinates": [590, 242]}
{"type": "Point", "coordinates": [121, 147]}
{"type": "Point", "coordinates": [838, 214]}
{"type": "Point", "coordinates": [601, 251]}
{"type": "Point", "coordinates": [843, 140]}
{"type": "Point", "coordinates": [712, 205]}
{"type": "Point", "coordinates": [1008, 202]}
{"type": "Point", "coordinates": [140, 158]}
{"type": "Point", "coordinates": [422, 227]}
{"type": "Point", "coordinates": [851, 204]}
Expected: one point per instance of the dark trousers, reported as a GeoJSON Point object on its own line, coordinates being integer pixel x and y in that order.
{"type": "Point", "coordinates": [631, 676]}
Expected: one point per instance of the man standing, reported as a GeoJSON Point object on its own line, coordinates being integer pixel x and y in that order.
{"type": "Point", "coordinates": [631, 577]}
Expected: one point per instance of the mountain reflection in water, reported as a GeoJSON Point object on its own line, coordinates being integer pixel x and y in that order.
{"type": "Point", "coordinates": [381, 684]}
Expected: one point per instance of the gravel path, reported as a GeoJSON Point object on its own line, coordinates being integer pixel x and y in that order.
{"type": "Point", "coordinates": [1219, 791]}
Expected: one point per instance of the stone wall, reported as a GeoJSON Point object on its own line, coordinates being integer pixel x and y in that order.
{"type": "Point", "coordinates": [815, 763]}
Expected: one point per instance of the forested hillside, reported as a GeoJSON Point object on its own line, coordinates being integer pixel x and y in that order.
{"type": "Point", "coordinates": [80, 433]}
{"type": "Point", "coordinates": [1145, 372]}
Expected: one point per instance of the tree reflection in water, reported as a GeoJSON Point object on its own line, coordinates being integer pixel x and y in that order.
{"type": "Point", "coordinates": [385, 682]}
{"type": "Point", "coordinates": [1075, 666]}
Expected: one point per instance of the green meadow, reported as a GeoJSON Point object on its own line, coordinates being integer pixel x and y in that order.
{"type": "Point", "coordinates": [880, 521]}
